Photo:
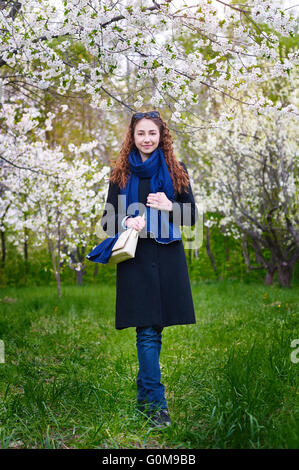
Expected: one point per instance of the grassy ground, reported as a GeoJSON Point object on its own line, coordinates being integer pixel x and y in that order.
{"type": "Point", "coordinates": [68, 380]}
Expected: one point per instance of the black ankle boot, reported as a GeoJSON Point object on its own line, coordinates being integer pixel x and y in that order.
{"type": "Point", "coordinates": [160, 418]}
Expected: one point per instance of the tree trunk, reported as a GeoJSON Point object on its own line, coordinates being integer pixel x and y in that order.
{"type": "Point", "coordinates": [56, 270]}
{"type": "Point", "coordinates": [271, 267]}
{"type": "Point", "coordinates": [284, 274]}
{"type": "Point", "coordinates": [3, 247]}
{"type": "Point", "coordinates": [77, 256]}
{"type": "Point", "coordinates": [25, 250]}
{"type": "Point", "coordinates": [268, 281]}
{"type": "Point", "coordinates": [25, 241]}
{"type": "Point", "coordinates": [79, 276]}
{"type": "Point", "coordinates": [58, 281]}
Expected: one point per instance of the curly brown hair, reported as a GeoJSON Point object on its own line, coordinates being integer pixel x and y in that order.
{"type": "Point", "coordinates": [121, 170]}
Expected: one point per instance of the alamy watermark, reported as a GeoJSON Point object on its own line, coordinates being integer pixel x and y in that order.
{"type": "Point", "coordinates": [294, 357]}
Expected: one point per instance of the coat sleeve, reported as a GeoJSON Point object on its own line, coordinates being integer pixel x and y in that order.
{"type": "Point", "coordinates": [185, 210]}
{"type": "Point", "coordinates": [112, 215]}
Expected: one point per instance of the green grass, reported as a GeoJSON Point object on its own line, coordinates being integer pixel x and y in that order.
{"type": "Point", "coordinates": [69, 378]}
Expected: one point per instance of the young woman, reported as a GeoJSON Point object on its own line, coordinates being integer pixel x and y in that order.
{"type": "Point", "coordinates": [153, 288]}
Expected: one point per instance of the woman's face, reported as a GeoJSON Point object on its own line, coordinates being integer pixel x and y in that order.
{"type": "Point", "coordinates": [146, 137]}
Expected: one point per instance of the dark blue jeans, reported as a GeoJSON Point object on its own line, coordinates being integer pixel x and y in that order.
{"type": "Point", "coordinates": [149, 387]}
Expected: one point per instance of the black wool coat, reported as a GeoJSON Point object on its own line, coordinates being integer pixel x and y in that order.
{"type": "Point", "coordinates": [152, 289]}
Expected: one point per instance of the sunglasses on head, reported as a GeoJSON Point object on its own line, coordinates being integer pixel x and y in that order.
{"type": "Point", "coordinates": [151, 114]}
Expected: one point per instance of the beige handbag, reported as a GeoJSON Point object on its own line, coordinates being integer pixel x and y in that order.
{"type": "Point", "coordinates": [125, 246]}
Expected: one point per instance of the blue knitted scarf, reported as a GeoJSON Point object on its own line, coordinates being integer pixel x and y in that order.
{"type": "Point", "coordinates": [157, 222]}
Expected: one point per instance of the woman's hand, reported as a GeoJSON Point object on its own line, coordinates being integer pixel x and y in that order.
{"type": "Point", "coordinates": [159, 201]}
{"type": "Point", "coordinates": [136, 222]}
